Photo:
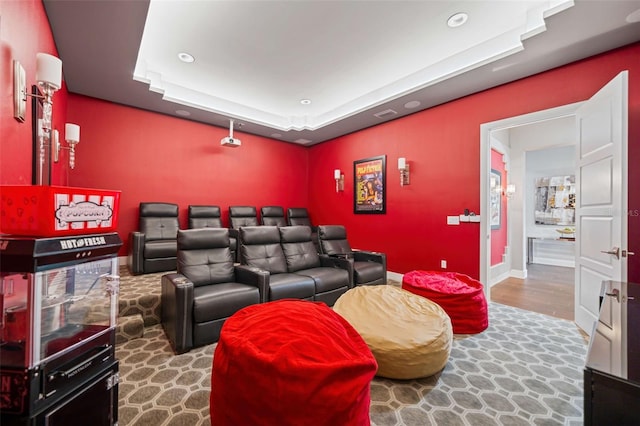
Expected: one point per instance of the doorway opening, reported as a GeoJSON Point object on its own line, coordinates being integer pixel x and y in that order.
{"type": "Point", "coordinates": [601, 194]}
{"type": "Point", "coordinates": [536, 144]}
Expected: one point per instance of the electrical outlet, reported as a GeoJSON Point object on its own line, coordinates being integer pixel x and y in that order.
{"type": "Point", "coordinates": [443, 264]}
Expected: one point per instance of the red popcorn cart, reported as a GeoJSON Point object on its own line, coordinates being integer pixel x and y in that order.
{"type": "Point", "coordinates": [49, 211]}
{"type": "Point", "coordinates": [59, 288]}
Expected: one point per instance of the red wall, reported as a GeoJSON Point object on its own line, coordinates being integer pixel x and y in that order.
{"type": "Point", "coordinates": [442, 145]}
{"type": "Point", "coordinates": [25, 31]}
{"type": "Point", "coordinates": [153, 157]}
{"type": "Point", "coordinates": [444, 181]}
{"type": "Point", "coordinates": [499, 236]}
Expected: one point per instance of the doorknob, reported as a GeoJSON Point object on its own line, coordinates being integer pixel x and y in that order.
{"type": "Point", "coordinates": [614, 251]}
{"type": "Point", "coordinates": [626, 253]}
{"type": "Point", "coordinates": [614, 293]}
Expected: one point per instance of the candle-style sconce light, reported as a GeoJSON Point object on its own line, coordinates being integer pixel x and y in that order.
{"type": "Point", "coordinates": [403, 166]}
{"type": "Point", "coordinates": [72, 136]}
{"type": "Point", "coordinates": [49, 79]}
{"type": "Point", "coordinates": [339, 177]}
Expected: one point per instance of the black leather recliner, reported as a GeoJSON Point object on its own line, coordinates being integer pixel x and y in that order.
{"type": "Point", "coordinates": [242, 216]}
{"type": "Point", "coordinates": [204, 217]}
{"type": "Point", "coordinates": [294, 267]}
{"type": "Point", "coordinates": [272, 216]}
{"type": "Point", "coordinates": [369, 268]}
{"type": "Point", "coordinates": [299, 216]}
{"type": "Point", "coordinates": [259, 246]}
{"type": "Point", "coordinates": [153, 248]}
{"type": "Point", "coordinates": [331, 275]}
{"type": "Point", "coordinates": [207, 289]}
{"type": "Point", "coordinates": [209, 217]}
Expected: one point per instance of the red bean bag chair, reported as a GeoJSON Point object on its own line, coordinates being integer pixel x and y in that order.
{"type": "Point", "coordinates": [461, 297]}
{"type": "Point", "coordinates": [290, 362]}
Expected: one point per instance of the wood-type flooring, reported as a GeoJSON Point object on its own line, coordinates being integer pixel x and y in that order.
{"type": "Point", "coordinates": [547, 290]}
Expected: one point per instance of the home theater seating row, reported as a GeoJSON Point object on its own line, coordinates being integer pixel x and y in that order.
{"type": "Point", "coordinates": [153, 248]}
{"type": "Point", "coordinates": [276, 263]}
{"type": "Point", "coordinates": [279, 258]}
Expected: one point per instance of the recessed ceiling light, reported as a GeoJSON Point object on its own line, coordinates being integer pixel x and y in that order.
{"type": "Point", "coordinates": [183, 112]}
{"type": "Point", "coordinates": [457, 19]}
{"type": "Point", "coordinates": [412, 104]}
{"type": "Point", "coordinates": [185, 57]}
{"type": "Point", "coordinates": [305, 101]}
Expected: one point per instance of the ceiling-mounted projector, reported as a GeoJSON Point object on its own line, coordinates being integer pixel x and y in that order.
{"type": "Point", "coordinates": [230, 140]}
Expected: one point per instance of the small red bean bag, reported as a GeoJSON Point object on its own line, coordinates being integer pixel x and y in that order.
{"type": "Point", "coordinates": [461, 296]}
{"type": "Point", "coordinates": [290, 362]}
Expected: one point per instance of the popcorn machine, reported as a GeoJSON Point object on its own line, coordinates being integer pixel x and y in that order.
{"type": "Point", "coordinates": [58, 306]}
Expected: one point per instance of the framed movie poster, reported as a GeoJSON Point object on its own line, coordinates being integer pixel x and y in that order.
{"type": "Point", "coordinates": [495, 204]}
{"type": "Point", "coordinates": [369, 185]}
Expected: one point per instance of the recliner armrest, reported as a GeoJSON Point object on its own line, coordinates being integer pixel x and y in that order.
{"type": "Point", "coordinates": [177, 311]}
{"type": "Point", "coordinates": [135, 258]}
{"type": "Point", "coordinates": [251, 275]}
{"type": "Point", "coordinates": [372, 256]}
{"type": "Point", "coordinates": [341, 255]}
{"type": "Point", "coordinates": [338, 261]}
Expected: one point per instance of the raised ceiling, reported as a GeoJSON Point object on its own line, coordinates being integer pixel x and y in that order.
{"type": "Point", "coordinates": [359, 63]}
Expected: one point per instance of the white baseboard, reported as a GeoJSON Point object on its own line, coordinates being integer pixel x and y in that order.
{"type": "Point", "coordinates": [495, 280]}
{"type": "Point", "coordinates": [554, 262]}
{"type": "Point", "coordinates": [513, 273]}
{"type": "Point", "coordinates": [518, 273]}
{"type": "Point", "coordinates": [394, 276]}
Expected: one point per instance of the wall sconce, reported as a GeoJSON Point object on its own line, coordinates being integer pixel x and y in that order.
{"type": "Point", "coordinates": [49, 78]}
{"type": "Point", "coordinates": [510, 190]}
{"type": "Point", "coordinates": [339, 177]}
{"type": "Point", "coordinates": [72, 136]}
{"type": "Point", "coordinates": [403, 166]}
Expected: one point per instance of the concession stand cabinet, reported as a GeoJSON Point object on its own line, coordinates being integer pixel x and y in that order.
{"type": "Point", "coordinates": [58, 302]}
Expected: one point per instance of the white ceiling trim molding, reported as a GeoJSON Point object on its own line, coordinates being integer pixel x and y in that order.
{"type": "Point", "coordinates": [485, 52]}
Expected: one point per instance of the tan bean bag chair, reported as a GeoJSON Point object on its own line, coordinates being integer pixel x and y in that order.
{"type": "Point", "coordinates": [409, 336]}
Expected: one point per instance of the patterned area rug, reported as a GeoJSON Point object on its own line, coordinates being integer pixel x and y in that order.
{"type": "Point", "coordinates": [525, 369]}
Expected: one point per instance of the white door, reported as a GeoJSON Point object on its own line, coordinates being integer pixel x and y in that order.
{"type": "Point", "coordinates": [601, 196]}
